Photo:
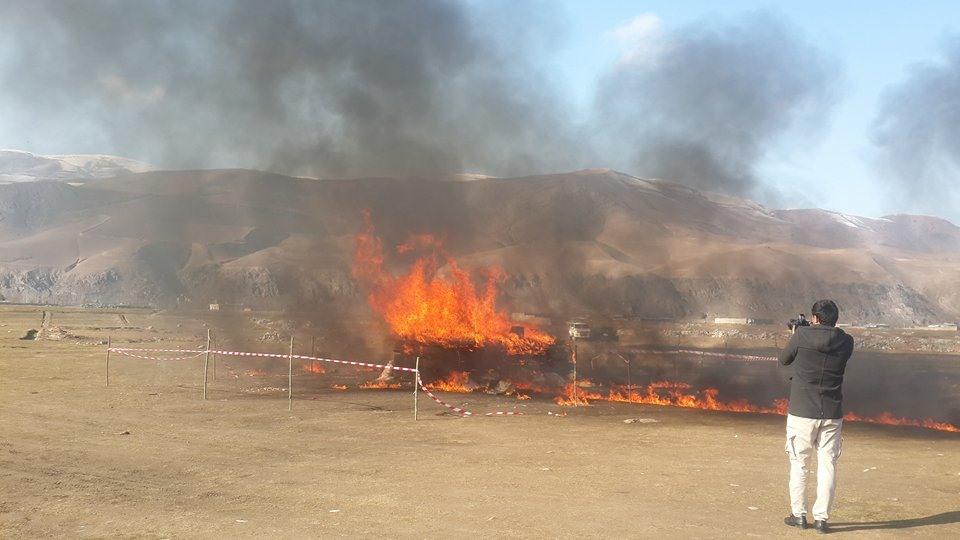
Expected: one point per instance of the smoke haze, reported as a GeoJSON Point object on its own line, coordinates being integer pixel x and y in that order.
{"type": "Point", "coordinates": [917, 136]}
{"type": "Point", "coordinates": [702, 105]}
{"type": "Point", "coordinates": [402, 88]}
{"type": "Point", "coordinates": [325, 88]}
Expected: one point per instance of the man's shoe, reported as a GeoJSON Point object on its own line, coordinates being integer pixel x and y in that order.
{"type": "Point", "coordinates": [795, 521]}
{"type": "Point", "coordinates": [821, 526]}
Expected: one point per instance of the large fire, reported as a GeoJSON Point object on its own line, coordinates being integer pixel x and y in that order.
{"type": "Point", "coordinates": [436, 302]}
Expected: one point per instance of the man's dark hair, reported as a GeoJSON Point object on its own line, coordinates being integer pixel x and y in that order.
{"type": "Point", "coordinates": [827, 311]}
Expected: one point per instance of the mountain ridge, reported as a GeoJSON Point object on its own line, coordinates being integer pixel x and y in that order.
{"type": "Point", "coordinates": [594, 241]}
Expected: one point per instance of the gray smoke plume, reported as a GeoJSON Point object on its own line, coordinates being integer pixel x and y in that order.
{"type": "Point", "coordinates": [703, 104]}
{"type": "Point", "coordinates": [341, 88]}
{"type": "Point", "coordinates": [917, 134]}
{"type": "Point", "coordinates": [329, 88]}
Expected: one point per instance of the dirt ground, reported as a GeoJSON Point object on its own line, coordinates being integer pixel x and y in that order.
{"type": "Point", "coordinates": [148, 458]}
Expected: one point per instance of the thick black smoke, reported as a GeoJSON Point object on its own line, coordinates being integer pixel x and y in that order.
{"type": "Point", "coordinates": [706, 102]}
{"type": "Point", "coordinates": [340, 88]}
{"type": "Point", "coordinates": [917, 133]}
{"type": "Point", "coordinates": [326, 87]}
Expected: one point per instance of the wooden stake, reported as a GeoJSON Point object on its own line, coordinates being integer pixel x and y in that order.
{"type": "Point", "coordinates": [290, 377]}
{"type": "Point", "coordinates": [214, 359]}
{"type": "Point", "coordinates": [575, 370]}
{"type": "Point", "coordinates": [206, 362]}
{"type": "Point", "coordinates": [416, 387]}
{"type": "Point", "coordinates": [676, 370]}
{"type": "Point", "coordinates": [107, 373]}
{"type": "Point", "coordinates": [629, 386]}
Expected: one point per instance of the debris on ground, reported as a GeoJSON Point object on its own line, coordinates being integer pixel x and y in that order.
{"type": "Point", "coordinates": [640, 421]}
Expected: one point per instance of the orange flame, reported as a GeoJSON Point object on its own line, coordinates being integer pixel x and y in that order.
{"type": "Point", "coordinates": [575, 396]}
{"type": "Point", "coordinates": [426, 307]}
{"type": "Point", "coordinates": [314, 368]}
{"type": "Point", "coordinates": [676, 394]}
{"type": "Point", "coordinates": [456, 381]}
{"type": "Point", "coordinates": [379, 384]}
{"type": "Point", "coordinates": [889, 419]}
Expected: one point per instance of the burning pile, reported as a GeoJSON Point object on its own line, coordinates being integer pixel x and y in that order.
{"type": "Point", "coordinates": [456, 381]}
{"type": "Point", "coordinates": [436, 302]}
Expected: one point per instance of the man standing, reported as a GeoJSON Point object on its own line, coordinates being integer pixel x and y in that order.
{"type": "Point", "coordinates": [819, 354]}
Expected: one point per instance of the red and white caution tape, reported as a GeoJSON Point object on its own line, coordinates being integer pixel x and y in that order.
{"type": "Point", "coordinates": [120, 349]}
{"type": "Point", "coordinates": [131, 352]}
{"type": "Point", "coordinates": [126, 352]}
{"type": "Point", "coordinates": [462, 412]}
{"type": "Point", "coordinates": [316, 358]}
{"type": "Point", "coordinates": [458, 410]}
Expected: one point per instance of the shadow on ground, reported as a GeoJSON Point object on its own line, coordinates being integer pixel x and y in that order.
{"type": "Point", "coordinates": [945, 518]}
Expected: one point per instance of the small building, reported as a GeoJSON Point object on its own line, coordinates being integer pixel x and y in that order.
{"type": "Point", "coordinates": [732, 320]}
{"type": "Point", "coordinates": [950, 327]}
{"type": "Point", "coordinates": [532, 318]}
{"type": "Point", "coordinates": [741, 320]}
{"type": "Point", "coordinates": [214, 307]}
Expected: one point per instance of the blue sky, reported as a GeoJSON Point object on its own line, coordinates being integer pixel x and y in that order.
{"type": "Point", "coordinates": [875, 44]}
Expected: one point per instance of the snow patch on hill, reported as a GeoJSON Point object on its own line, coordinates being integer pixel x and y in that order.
{"type": "Point", "coordinates": [20, 166]}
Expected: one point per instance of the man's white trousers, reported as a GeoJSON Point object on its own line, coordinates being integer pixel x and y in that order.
{"type": "Point", "coordinates": [804, 435]}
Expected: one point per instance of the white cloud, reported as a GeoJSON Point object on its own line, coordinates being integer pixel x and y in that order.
{"type": "Point", "coordinates": [640, 39]}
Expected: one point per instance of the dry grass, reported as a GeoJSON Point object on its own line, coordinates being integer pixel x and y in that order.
{"type": "Point", "coordinates": [355, 464]}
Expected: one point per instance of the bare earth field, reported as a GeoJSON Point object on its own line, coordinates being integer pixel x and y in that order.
{"type": "Point", "coordinates": [147, 457]}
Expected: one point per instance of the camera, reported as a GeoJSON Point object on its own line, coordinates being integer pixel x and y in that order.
{"type": "Point", "coordinates": [801, 320]}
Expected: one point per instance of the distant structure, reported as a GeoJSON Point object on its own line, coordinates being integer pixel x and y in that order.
{"type": "Point", "coordinates": [951, 327]}
{"type": "Point", "coordinates": [540, 320]}
{"type": "Point", "coordinates": [731, 320]}
{"type": "Point", "coordinates": [214, 307]}
{"type": "Point", "coordinates": [740, 320]}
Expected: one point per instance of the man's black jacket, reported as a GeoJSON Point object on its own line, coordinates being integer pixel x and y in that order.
{"type": "Point", "coordinates": [819, 356]}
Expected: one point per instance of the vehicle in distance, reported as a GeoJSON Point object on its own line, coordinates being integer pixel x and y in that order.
{"type": "Point", "coordinates": [579, 330]}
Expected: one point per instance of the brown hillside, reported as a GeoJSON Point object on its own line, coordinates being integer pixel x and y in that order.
{"type": "Point", "coordinates": [584, 242]}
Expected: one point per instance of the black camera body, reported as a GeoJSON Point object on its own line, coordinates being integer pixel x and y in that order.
{"type": "Point", "coordinates": [801, 320]}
